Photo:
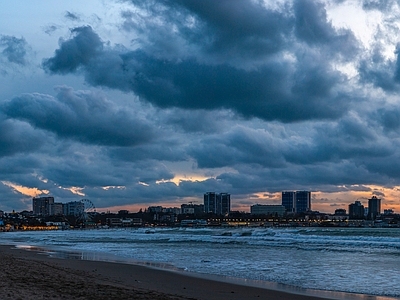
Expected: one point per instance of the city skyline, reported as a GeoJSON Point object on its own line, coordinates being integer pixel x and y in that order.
{"type": "Point", "coordinates": [292, 202]}
{"type": "Point", "coordinates": [133, 105]}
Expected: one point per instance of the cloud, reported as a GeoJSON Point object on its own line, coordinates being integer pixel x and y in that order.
{"type": "Point", "coordinates": [350, 138]}
{"type": "Point", "coordinates": [238, 146]}
{"type": "Point", "coordinates": [71, 16]}
{"type": "Point", "coordinates": [50, 29]}
{"type": "Point", "coordinates": [197, 121]}
{"type": "Point", "coordinates": [380, 71]}
{"type": "Point", "coordinates": [378, 193]}
{"type": "Point", "coordinates": [377, 5]}
{"type": "Point", "coordinates": [313, 27]}
{"type": "Point", "coordinates": [14, 49]}
{"type": "Point", "coordinates": [389, 118]}
{"type": "Point", "coordinates": [80, 115]}
{"type": "Point", "coordinates": [225, 30]}
{"type": "Point", "coordinates": [18, 137]}
{"type": "Point", "coordinates": [88, 172]}
{"type": "Point", "coordinates": [11, 200]}
{"type": "Point", "coordinates": [74, 52]}
{"type": "Point", "coordinates": [170, 99]}
{"type": "Point", "coordinates": [280, 90]}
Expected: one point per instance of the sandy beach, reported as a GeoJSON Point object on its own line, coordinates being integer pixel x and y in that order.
{"type": "Point", "coordinates": [34, 275]}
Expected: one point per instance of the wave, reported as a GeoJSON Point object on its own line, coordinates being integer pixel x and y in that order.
{"type": "Point", "coordinates": [352, 259]}
{"type": "Point", "coordinates": [307, 239]}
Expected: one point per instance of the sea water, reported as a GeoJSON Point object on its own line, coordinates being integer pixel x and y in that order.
{"type": "Point", "coordinates": [355, 260]}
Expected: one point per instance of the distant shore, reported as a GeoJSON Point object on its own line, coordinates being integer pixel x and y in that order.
{"type": "Point", "coordinates": [34, 275]}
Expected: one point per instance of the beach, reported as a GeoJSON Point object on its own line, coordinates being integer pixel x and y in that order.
{"type": "Point", "coordinates": [35, 275]}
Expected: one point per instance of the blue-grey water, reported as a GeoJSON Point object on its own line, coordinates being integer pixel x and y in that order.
{"type": "Point", "coordinates": [355, 260]}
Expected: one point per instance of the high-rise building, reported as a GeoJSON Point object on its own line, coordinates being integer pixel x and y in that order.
{"type": "Point", "coordinates": [219, 204]}
{"type": "Point", "coordinates": [224, 203]}
{"type": "Point", "coordinates": [210, 202]}
{"type": "Point", "coordinates": [356, 211]}
{"type": "Point", "coordinates": [374, 207]}
{"type": "Point", "coordinates": [303, 201]}
{"type": "Point", "coordinates": [289, 201]}
{"type": "Point", "coordinates": [41, 205]}
{"type": "Point", "coordinates": [296, 202]}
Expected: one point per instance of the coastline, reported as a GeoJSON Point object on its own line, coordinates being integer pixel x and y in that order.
{"type": "Point", "coordinates": [37, 274]}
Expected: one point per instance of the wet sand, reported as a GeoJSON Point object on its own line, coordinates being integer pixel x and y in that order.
{"type": "Point", "coordinates": [34, 275]}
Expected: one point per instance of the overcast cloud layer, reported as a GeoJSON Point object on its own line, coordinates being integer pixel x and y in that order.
{"type": "Point", "coordinates": [139, 103]}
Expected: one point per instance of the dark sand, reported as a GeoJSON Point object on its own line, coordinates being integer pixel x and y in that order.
{"type": "Point", "coordinates": [34, 275]}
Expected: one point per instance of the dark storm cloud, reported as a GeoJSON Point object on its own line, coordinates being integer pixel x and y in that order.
{"type": "Point", "coordinates": [216, 81]}
{"type": "Point", "coordinates": [163, 150]}
{"type": "Point", "coordinates": [389, 118]}
{"type": "Point", "coordinates": [16, 167]}
{"type": "Point", "coordinates": [197, 121]}
{"type": "Point", "coordinates": [17, 137]}
{"type": "Point", "coordinates": [380, 75]}
{"type": "Point", "coordinates": [224, 28]}
{"type": "Point", "coordinates": [397, 65]}
{"type": "Point", "coordinates": [313, 27]}
{"type": "Point", "coordinates": [137, 193]}
{"type": "Point", "coordinates": [386, 167]}
{"type": "Point", "coordinates": [327, 177]}
{"type": "Point", "coordinates": [83, 174]}
{"type": "Point", "coordinates": [239, 146]}
{"type": "Point", "coordinates": [264, 93]}
{"type": "Point", "coordinates": [351, 138]}
{"type": "Point", "coordinates": [281, 89]}
{"type": "Point", "coordinates": [380, 71]}
{"type": "Point", "coordinates": [84, 116]}
{"type": "Point", "coordinates": [14, 49]}
{"type": "Point", "coordinates": [238, 30]}
{"type": "Point", "coordinates": [122, 183]}
{"type": "Point", "coordinates": [74, 52]}
{"type": "Point", "coordinates": [353, 151]}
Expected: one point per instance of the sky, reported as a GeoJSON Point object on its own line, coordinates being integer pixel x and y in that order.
{"type": "Point", "coordinates": [134, 103]}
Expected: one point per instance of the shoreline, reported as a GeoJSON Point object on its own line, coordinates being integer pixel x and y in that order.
{"type": "Point", "coordinates": [145, 279]}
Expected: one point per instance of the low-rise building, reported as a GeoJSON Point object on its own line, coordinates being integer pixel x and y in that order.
{"type": "Point", "coordinates": [274, 210]}
{"type": "Point", "coordinates": [155, 209]}
{"type": "Point", "coordinates": [114, 222]}
{"type": "Point", "coordinates": [193, 223]}
{"type": "Point", "coordinates": [73, 208]}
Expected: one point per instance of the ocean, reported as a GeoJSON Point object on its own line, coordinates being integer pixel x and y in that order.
{"type": "Point", "coordinates": [352, 260]}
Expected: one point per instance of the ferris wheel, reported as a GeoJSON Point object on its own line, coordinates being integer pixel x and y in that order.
{"type": "Point", "coordinates": [85, 211]}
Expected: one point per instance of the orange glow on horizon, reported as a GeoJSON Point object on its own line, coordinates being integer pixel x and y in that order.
{"type": "Point", "coordinates": [325, 202]}
{"type": "Point", "coordinates": [182, 178]}
{"type": "Point", "coordinates": [74, 190]}
{"type": "Point", "coordinates": [32, 192]}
